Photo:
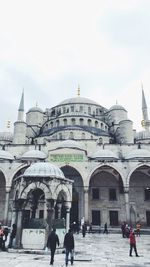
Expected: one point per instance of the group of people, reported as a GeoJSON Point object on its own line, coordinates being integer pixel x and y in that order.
{"type": "Point", "coordinates": [130, 233]}
{"type": "Point", "coordinates": [53, 241]}
{"type": "Point", "coordinates": [4, 230]}
{"type": "Point", "coordinates": [125, 228]}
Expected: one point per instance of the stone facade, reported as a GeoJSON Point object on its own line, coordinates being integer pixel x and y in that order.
{"type": "Point", "coordinates": [95, 147]}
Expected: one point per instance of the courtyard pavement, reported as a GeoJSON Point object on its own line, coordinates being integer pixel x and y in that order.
{"type": "Point", "coordinates": [95, 250]}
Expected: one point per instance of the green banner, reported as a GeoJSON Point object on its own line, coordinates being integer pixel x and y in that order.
{"type": "Point", "coordinates": [66, 157]}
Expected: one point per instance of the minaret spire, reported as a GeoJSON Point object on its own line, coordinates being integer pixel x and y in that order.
{"type": "Point", "coordinates": [78, 91]}
{"type": "Point", "coordinates": [145, 121]}
{"type": "Point", "coordinates": [21, 108]}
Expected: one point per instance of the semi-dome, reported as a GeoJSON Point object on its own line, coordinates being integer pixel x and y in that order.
{"type": "Point", "coordinates": [34, 154]}
{"type": "Point", "coordinates": [117, 107]}
{"type": "Point", "coordinates": [5, 155]}
{"type": "Point", "coordinates": [6, 136]}
{"type": "Point", "coordinates": [103, 154]}
{"type": "Point", "coordinates": [35, 109]}
{"type": "Point", "coordinates": [143, 135]}
{"type": "Point", "coordinates": [70, 144]}
{"type": "Point", "coordinates": [76, 100]}
{"type": "Point", "coordinates": [44, 169]}
{"type": "Point", "coordinates": [138, 154]}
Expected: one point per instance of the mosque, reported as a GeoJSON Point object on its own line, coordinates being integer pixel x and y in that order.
{"type": "Point", "coordinates": [76, 161]}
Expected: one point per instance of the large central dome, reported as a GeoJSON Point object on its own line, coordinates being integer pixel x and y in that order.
{"type": "Point", "coordinates": [76, 100]}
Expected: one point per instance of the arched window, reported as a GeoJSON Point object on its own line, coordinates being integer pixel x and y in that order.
{"type": "Point", "coordinates": [89, 110]}
{"type": "Point", "coordinates": [51, 124]}
{"type": "Point", "coordinates": [65, 122]}
{"type": "Point", "coordinates": [89, 123]}
{"type": "Point", "coordinates": [81, 109]}
{"type": "Point", "coordinates": [83, 136]}
{"type": "Point", "coordinates": [57, 123]}
{"type": "Point", "coordinates": [102, 126]}
{"type": "Point", "coordinates": [60, 135]}
{"type": "Point", "coordinates": [71, 135]}
{"type": "Point", "coordinates": [73, 121]}
{"type": "Point", "coordinates": [81, 121]}
{"type": "Point", "coordinates": [96, 124]}
{"type": "Point", "coordinates": [72, 108]}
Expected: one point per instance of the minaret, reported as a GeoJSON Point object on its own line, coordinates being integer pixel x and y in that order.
{"type": "Point", "coordinates": [21, 108]}
{"type": "Point", "coordinates": [20, 126]}
{"type": "Point", "coordinates": [145, 121]}
{"type": "Point", "coordinates": [78, 91]}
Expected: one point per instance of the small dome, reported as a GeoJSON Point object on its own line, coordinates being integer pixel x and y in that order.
{"type": "Point", "coordinates": [44, 169]}
{"type": "Point", "coordinates": [117, 107]}
{"type": "Point", "coordinates": [76, 100]}
{"type": "Point", "coordinates": [5, 155]}
{"type": "Point", "coordinates": [138, 153]}
{"type": "Point", "coordinates": [103, 154]}
{"type": "Point", "coordinates": [35, 109]}
{"type": "Point", "coordinates": [70, 144]}
{"type": "Point", "coordinates": [34, 154]}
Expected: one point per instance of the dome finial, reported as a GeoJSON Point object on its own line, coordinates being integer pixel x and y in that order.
{"type": "Point", "coordinates": [36, 104]}
{"type": "Point", "coordinates": [116, 102]}
{"type": "Point", "coordinates": [8, 125]}
{"type": "Point", "coordinates": [78, 91]}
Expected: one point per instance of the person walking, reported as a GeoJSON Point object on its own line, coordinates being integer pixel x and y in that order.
{"type": "Point", "coordinates": [105, 229]}
{"type": "Point", "coordinates": [138, 229]}
{"type": "Point", "coordinates": [12, 235]}
{"type": "Point", "coordinates": [1, 236]}
{"type": "Point", "coordinates": [69, 246]}
{"type": "Point", "coordinates": [52, 242]}
{"type": "Point", "coordinates": [132, 243]}
{"type": "Point", "coordinates": [84, 229]}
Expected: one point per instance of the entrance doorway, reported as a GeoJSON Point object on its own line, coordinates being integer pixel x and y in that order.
{"type": "Point", "coordinates": [113, 215]}
{"type": "Point", "coordinates": [96, 219]}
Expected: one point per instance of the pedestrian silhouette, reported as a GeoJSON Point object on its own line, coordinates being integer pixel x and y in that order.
{"type": "Point", "coordinates": [69, 246]}
{"type": "Point", "coordinates": [12, 235]}
{"type": "Point", "coordinates": [52, 242]}
{"type": "Point", "coordinates": [132, 243]}
{"type": "Point", "coordinates": [105, 229]}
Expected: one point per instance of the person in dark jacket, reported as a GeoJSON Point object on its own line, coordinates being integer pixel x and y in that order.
{"type": "Point", "coordinates": [12, 235]}
{"type": "Point", "coordinates": [52, 241]}
{"type": "Point", "coordinates": [105, 229]}
{"type": "Point", "coordinates": [132, 243]}
{"type": "Point", "coordinates": [84, 229]}
{"type": "Point", "coordinates": [69, 246]}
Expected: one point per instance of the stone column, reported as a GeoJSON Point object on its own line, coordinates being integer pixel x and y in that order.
{"type": "Point", "coordinates": [50, 212]}
{"type": "Point", "coordinates": [127, 206]}
{"type": "Point", "coordinates": [59, 206]}
{"type": "Point", "coordinates": [86, 204]}
{"type": "Point", "coordinates": [19, 205]}
{"type": "Point", "coordinates": [14, 213]}
{"type": "Point", "coordinates": [68, 207]}
{"type": "Point", "coordinates": [6, 205]}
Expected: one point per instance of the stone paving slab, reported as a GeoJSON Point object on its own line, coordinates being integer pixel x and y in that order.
{"type": "Point", "coordinates": [95, 250]}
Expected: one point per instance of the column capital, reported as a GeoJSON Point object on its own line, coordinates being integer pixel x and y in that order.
{"type": "Point", "coordinates": [126, 190]}
{"type": "Point", "coordinates": [86, 190]}
{"type": "Point", "coordinates": [50, 203]}
{"type": "Point", "coordinates": [67, 205]}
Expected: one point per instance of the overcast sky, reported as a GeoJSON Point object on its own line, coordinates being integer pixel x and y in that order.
{"type": "Point", "coordinates": [48, 47]}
